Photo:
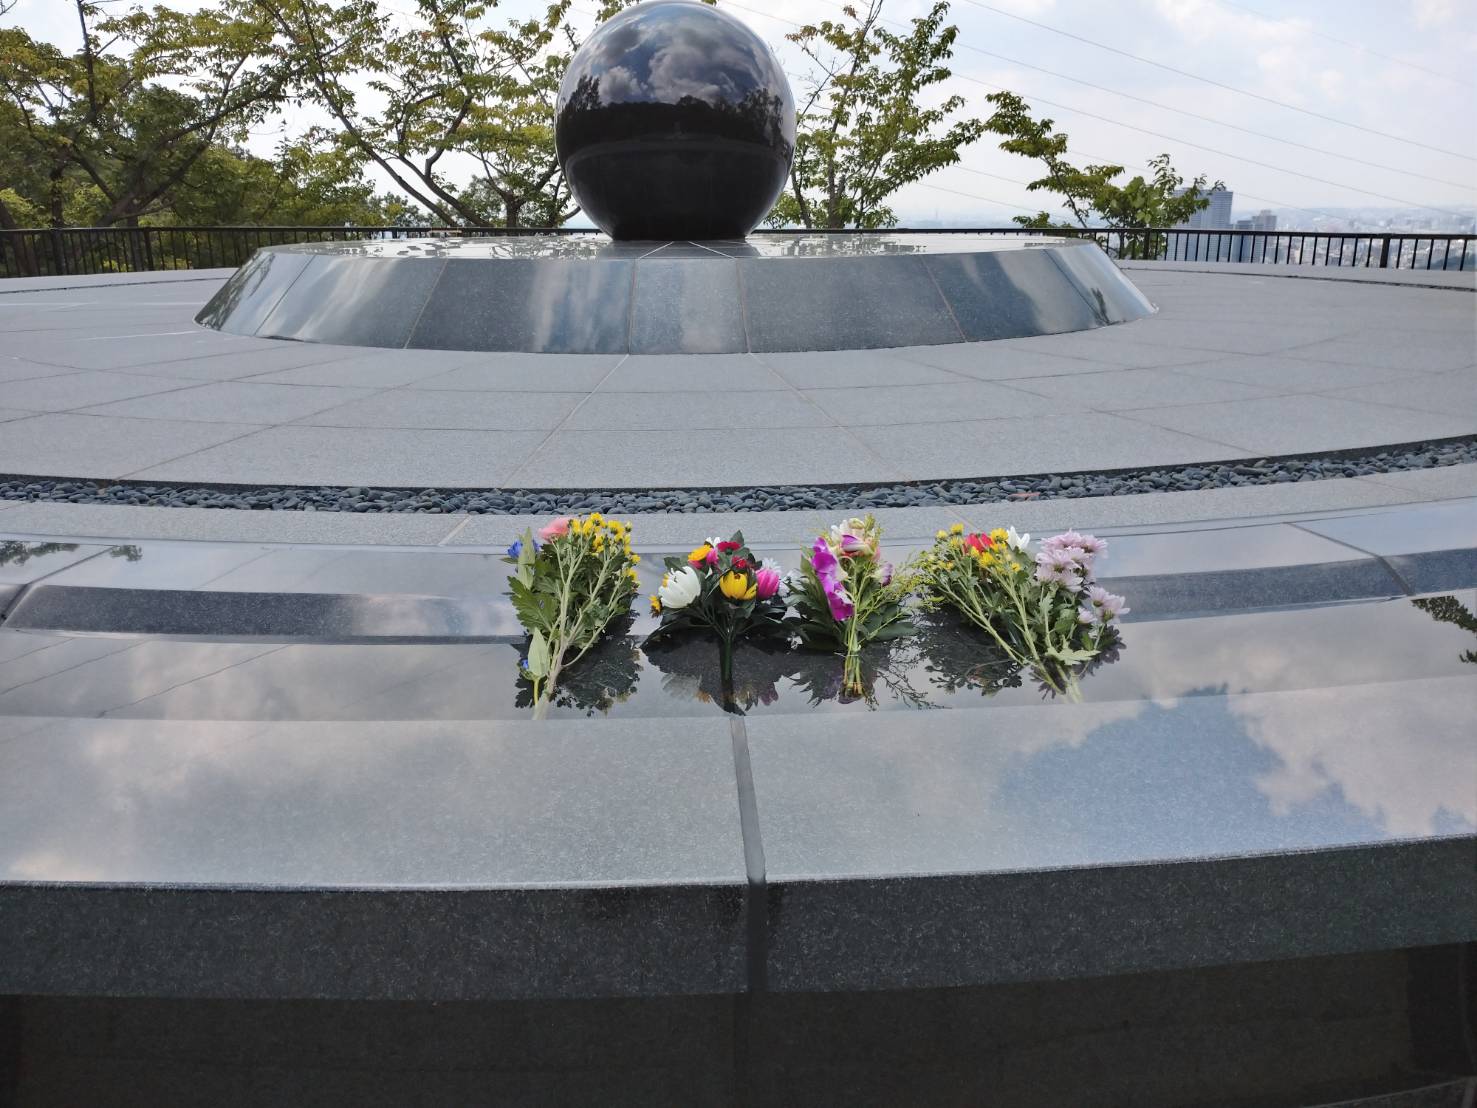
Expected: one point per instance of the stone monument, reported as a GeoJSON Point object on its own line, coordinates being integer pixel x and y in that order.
{"type": "Point", "coordinates": [675, 128]}
{"type": "Point", "coordinates": [675, 121]}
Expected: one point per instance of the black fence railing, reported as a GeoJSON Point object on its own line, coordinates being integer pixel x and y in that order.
{"type": "Point", "coordinates": [68, 251]}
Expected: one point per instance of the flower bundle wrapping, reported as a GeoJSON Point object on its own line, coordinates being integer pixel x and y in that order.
{"type": "Point", "coordinates": [568, 585]}
{"type": "Point", "coordinates": [846, 596]}
{"type": "Point", "coordinates": [721, 587]}
{"type": "Point", "coordinates": [1046, 612]}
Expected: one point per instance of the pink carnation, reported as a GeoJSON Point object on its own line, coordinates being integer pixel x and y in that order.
{"type": "Point", "coordinates": [554, 528]}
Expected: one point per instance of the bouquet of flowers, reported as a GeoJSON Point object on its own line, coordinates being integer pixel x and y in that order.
{"type": "Point", "coordinates": [570, 582]}
{"type": "Point", "coordinates": [1045, 612]}
{"type": "Point", "coordinates": [846, 596]}
{"type": "Point", "coordinates": [722, 587]}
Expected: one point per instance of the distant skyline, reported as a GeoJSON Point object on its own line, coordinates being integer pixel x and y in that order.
{"type": "Point", "coordinates": [1278, 50]}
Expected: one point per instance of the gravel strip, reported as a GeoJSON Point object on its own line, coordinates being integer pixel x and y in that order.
{"type": "Point", "coordinates": [985, 490]}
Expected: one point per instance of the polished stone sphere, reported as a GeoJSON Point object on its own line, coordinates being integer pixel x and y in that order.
{"type": "Point", "coordinates": [675, 121]}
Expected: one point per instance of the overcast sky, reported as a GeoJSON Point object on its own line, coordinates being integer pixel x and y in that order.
{"type": "Point", "coordinates": [1317, 55]}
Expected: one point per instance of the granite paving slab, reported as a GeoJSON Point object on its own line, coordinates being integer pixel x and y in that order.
{"type": "Point", "coordinates": [622, 459]}
{"type": "Point", "coordinates": [18, 369]}
{"type": "Point", "coordinates": [891, 405]}
{"type": "Point", "coordinates": [712, 409]}
{"type": "Point", "coordinates": [1285, 373]}
{"type": "Point", "coordinates": [1441, 393]}
{"type": "Point", "coordinates": [1410, 348]}
{"type": "Point", "coordinates": [352, 455]}
{"type": "Point", "coordinates": [1123, 389]}
{"type": "Point", "coordinates": [1292, 424]}
{"type": "Point", "coordinates": [718, 373]}
{"type": "Point", "coordinates": [67, 444]}
{"type": "Point", "coordinates": [1041, 444]}
{"type": "Point", "coordinates": [579, 373]}
{"type": "Point", "coordinates": [80, 390]}
{"type": "Point", "coordinates": [232, 402]}
{"type": "Point", "coordinates": [445, 409]}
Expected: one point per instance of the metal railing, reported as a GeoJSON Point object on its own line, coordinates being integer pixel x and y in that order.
{"type": "Point", "coordinates": [77, 251]}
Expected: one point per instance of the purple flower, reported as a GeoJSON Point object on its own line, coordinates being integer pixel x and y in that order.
{"type": "Point", "coordinates": [1058, 566]}
{"type": "Point", "coordinates": [517, 549]}
{"type": "Point", "coordinates": [884, 573]}
{"type": "Point", "coordinates": [828, 572]}
{"type": "Point", "coordinates": [1106, 605]}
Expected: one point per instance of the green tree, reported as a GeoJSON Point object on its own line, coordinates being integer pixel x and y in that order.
{"type": "Point", "coordinates": [1089, 193]}
{"type": "Point", "coordinates": [864, 129]}
{"type": "Point", "coordinates": [131, 112]}
{"type": "Point", "coordinates": [455, 91]}
{"type": "Point", "coordinates": [309, 182]}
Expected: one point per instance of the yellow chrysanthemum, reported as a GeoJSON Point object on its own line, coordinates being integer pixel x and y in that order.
{"type": "Point", "coordinates": [635, 558]}
{"type": "Point", "coordinates": [700, 553]}
{"type": "Point", "coordinates": [656, 604]}
{"type": "Point", "coordinates": [737, 586]}
{"type": "Point", "coordinates": [941, 535]}
{"type": "Point", "coordinates": [595, 517]}
{"type": "Point", "coordinates": [957, 529]}
{"type": "Point", "coordinates": [631, 573]}
{"type": "Point", "coordinates": [998, 535]}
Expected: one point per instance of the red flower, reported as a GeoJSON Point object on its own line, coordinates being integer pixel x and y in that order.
{"type": "Point", "coordinates": [727, 547]}
{"type": "Point", "coordinates": [741, 563]}
{"type": "Point", "coordinates": [978, 542]}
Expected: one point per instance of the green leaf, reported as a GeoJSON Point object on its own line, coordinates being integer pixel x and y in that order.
{"type": "Point", "coordinates": [538, 655]}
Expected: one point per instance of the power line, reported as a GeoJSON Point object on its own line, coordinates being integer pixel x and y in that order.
{"type": "Point", "coordinates": [1103, 160]}
{"type": "Point", "coordinates": [1156, 134]}
{"type": "Point", "coordinates": [1212, 81]}
{"type": "Point", "coordinates": [975, 196]}
{"type": "Point", "coordinates": [1210, 119]}
{"type": "Point", "coordinates": [1354, 45]}
{"type": "Point", "coordinates": [1222, 153]}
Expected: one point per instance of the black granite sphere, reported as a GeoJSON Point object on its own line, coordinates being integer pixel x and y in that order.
{"type": "Point", "coordinates": [675, 121]}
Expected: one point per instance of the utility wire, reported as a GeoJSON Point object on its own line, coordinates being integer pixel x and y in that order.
{"type": "Point", "coordinates": [1355, 45]}
{"type": "Point", "coordinates": [1144, 130]}
{"type": "Point", "coordinates": [1099, 159]}
{"type": "Point", "coordinates": [1217, 84]}
{"type": "Point", "coordinates": [1211, 119]}
{"type": "Point", "coordinates": [1222, 153]}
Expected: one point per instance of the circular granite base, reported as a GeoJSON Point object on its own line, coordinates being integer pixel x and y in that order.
{"type": "Point", "coordinates": [583, 294]}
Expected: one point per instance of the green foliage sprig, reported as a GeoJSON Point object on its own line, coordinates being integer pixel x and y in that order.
{"type": "Point", "coordinates": [846, 596]}
{"type": "Point", "coordinates": [567, 591]}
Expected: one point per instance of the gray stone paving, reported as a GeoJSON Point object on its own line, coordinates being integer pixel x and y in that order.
{"type": "Point", "coordinates": [111, 379]}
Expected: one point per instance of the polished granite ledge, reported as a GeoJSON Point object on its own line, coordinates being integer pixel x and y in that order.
{"type": "Point", "coordinates": [347, 618]}
{"type": "Point", "coordinates": [80, 939]}
{"type": "Point", "coordinates": [1190, 831]}
{"type": "Point", "coordinates": [978, 929]}
{"type": "Point", "coordinates": [335, 594]}
{"type": "Point", "coordinates": [487, 859]}
{"type": "Point", "coordinates": [585, 295]}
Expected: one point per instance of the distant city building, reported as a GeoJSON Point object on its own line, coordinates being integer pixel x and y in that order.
{"type": "Point", "coordinates": [1215, 217]}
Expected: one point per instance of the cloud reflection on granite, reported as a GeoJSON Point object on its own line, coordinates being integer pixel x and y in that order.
{"type": "Point", "coordinates": [1163, 660]}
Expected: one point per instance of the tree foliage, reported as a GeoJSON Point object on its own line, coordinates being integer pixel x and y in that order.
{"type": "Point", "coordinates": [454, 91]}
{"type": "Point", "coordinates": [867, 121]}
{"type": "Point", "coordinates": [1088, 192]}
{"type": "Point", "coordinates": [130, 113]}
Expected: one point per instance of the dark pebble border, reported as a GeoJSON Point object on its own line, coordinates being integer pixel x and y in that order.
{"type": "Point", "coordinates": [984, 490]}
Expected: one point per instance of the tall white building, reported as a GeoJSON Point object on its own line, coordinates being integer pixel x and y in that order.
{"type": "Point", "coordinates": [1215, 217]}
